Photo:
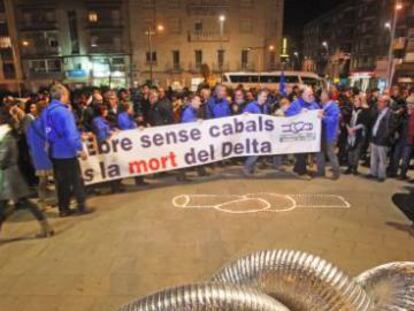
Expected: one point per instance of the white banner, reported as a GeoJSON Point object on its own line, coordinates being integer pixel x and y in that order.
{"type": "Point", "coordinates": [154, 150]}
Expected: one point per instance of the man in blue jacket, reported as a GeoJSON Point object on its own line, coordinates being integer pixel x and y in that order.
{"type": "Point", "coordinates": [257, 107]}
{"type": "Point", "coordinates": [303, 103]}
{"type": "Point", "coordinates": [330, 128]}
{"type": "Point", "coordinates": [64, 143]}
{"type": "Point", "coordinates": [218, 106]}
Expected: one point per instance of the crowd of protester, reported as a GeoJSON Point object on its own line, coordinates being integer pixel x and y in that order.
{"type": "Point", "coordinates": [41, 136]}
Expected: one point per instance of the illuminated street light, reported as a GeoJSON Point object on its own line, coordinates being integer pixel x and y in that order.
{"type": "Point", "coordinates": [160, 28]}
{"type": "Point", "coordinates": [393, 24]}
{"type": "Point", "coordinates": [398, 6]}
{"type": "Point", "coordinates": [271, 48]}
{"type": "Point", "coordinates": [296, 54]}
{"type": "Point", "coordinates": [222, 18]}
{"type": "Point", "coordinates": [325, 44]}
{"type": "Point", "coordinates": [25, 43]}
{"type": "Point", "coordinates": [387, 25]}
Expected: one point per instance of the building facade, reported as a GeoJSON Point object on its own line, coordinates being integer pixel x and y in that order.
{"type": "Point", "coordinates": [10, 66]}
{"type": "Point", "coordinates": [80, 42]}
{"type": "Point", "coordinates": [178, 40]}
{"type": "Point", "coordinates": [360, 31]}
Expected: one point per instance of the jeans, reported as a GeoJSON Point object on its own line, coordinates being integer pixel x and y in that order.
{"type": "Point", "coordinates": [20, 204]}
{"type": "Point", "coordinates": [300, 164]}
{"type": "Point", "coordinates": [354, 154]}
{"type": "Point", "coordinates": [68, 180]}
{"type": "Point", "coordinates": [329, 150]}
{"type": "Point", "coordinates": [379, 161]}
{"type": "Point", "coordinates": [250, 164]}
{"type": "Point", "coordinates": [396, 157]}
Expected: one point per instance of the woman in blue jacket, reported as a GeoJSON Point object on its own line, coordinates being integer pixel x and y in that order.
{"type": "Point", "coordinates": [103, 132]}
{"type": "Point", "coordinates": [330, 128]}
{"type": "Point", "coordinates": [126, 118]}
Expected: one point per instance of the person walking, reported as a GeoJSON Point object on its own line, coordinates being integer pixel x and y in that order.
{"type": "Point", "coordinates": [330, 126]}
{"type": "Point", "coordinates": [12, 185]}
{"type": "Point", "coordinates": [64, 145]}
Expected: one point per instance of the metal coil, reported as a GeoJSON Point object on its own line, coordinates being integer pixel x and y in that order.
{"type": "Point", "coordinates": [207, 297]}
{"type": "Point", "coordinates": [298, 280]}
{"type": "Point", "coordinates": [390, 286]}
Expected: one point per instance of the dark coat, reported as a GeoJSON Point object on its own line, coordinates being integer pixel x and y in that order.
{"type": "Point", "coordinates": [386, 130]}
{"type": "Point", "coordinates": [12, 185]}
{"type": "Point", "coordinates": [159, 114]}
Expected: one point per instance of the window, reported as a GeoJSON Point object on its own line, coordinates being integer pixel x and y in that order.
{"type": "Point", "coordinates": [5, 42]}
{"type": "Point", "coordinates": [148, 4]}
{"type": "Point", "coordinates": [6, 54]}
{"type": "Point", "coordinates": [54, 65]}
{"type": "Point", "coordinates": [246, 26]}
{"type": "Point", "coordinates": [176, 59]}
{"type": "Point", "coordinates": [220, 58]}
{"type": "Point", "coordinates": [9, 71]}
{"type": "Point", "coordinates": [2, 8]}
{"type": "Point", "coordinates": [244, 59]}
{"type": "Point", "coordinates": [152, 59]}
{"type": "Point", "coordinates": [246, 4]}
{"type": "Point", "coordinates": [272, 59]}
{"type": "Point", "coordinates": [37, 66]}
{"type": "Point", "coordinates": [175, 25]}
{"type": "Point", "coordinates": [174, 4]}
{"type": "Point", "coordinates": [93, 17]}
{"type": "Point", "coordinates": [198, 27]}
{"type": "Point", "coordinates": [4, 30]}
{"type": "Point", "coordinates": [198, 58]}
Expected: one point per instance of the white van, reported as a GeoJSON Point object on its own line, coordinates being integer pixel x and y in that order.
{"type": "Point", "coordinates": [271, 79]}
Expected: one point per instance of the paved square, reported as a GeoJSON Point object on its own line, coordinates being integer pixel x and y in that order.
{"type": "Point", "coordinates": [138, 242]}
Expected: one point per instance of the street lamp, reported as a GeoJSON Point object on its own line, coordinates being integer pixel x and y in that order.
{"type": "Point", "coordinates": [390, 68]}
{"type": "Point", "coordinates": [151, 31]}
{"type": "Point", "coordinates": [222, 19]}
{"type": "Point", "coordinates": [325, 44]}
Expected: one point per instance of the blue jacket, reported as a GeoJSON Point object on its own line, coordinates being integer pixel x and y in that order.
{"type": "Point", "coordinates": [255, 108]}
{"type": "Point", "coordinates": [330, 122]}
{"type": "Point", "coordinates": [58, 124]}
{"type": "Point", "coordinates": [126, 121]}
{"type": "Point", "coordinates": [36, 141]}
{"type": "Point", "coordinates": [189, 115]}
{"type": "Point", "coordinates": [299, 104]}
{"type": "Point", "coordinates": [101, 129]}
{"type": "Point", "coordinates": [218, 108]}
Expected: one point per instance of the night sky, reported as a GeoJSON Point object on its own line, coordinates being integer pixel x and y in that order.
{"type": "Point", "coordinates": [299, 12]}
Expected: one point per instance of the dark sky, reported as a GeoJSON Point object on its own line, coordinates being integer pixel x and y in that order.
{"type": "Point", "coordinates": [299, 12]}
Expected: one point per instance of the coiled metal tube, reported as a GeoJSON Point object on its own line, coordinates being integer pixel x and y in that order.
{"type": "Point", "coordinates": [298, 280]}
{"type": "Point", "coordinates": [390, 286]}
{"type": "Point", "coordinates": [207, 297]}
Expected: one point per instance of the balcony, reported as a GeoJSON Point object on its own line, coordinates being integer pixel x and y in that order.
{"type": "Point", "coordinates": [40, 51]}
{"type": "Point", "coordinates": [102, 48]}
{"type": "Point", "coordinates": [105, 25]}
{"type": "Point", "coordinates": [174, 68]}
{"type": "Point", "coordinates": [38, 26]}
{"type": "Point", "coordinates": [207, 37]}
{"type": "Point", "coordinates": [207, 7]}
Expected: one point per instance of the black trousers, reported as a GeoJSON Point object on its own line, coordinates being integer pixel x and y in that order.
{"type": "Point", "coordinates": [20, 204]}
{"type": "Point", "coordinates": [68, 181]}
{"type": "Point", "coordinates": [300, 164]}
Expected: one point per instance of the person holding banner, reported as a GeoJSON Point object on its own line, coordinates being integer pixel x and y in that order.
{"type": "Point", "coordinates": [257, 107]}
{"type": "Point", "coordinates": [304, 103]}
{"type": "Point", "coordinates": [330, 125]}
{"type": "Point", "coordinates": [218, 106]}
{"type": "Point", "coordinates": [190, 114]}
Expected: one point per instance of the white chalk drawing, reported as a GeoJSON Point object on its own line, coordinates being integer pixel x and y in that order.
{"type": "Point", "coordinates": [259, 202]}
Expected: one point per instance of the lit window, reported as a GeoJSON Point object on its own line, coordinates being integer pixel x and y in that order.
{"type": "Point", "coordinates": [5, 42]}
{"type": "Point", "coordinates": [93, 17]}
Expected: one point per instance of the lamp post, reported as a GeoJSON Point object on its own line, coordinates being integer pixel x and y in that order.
{"type": "Point", "coordinates": [151, 31]}
{"type": "Point", "coordinates": [393, 27]}
{"type": "Point", "coordinates": [222, 19]}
